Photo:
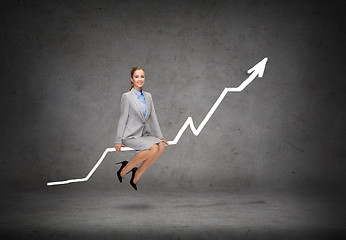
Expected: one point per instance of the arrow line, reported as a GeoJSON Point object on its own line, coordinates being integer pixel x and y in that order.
{"type": "Point", "coordinates": [257, 70]}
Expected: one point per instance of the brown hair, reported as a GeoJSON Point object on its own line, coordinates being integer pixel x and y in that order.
{"type": "Point", "coordinates": [132, 72]}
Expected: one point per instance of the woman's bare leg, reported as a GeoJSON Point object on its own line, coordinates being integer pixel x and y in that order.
{"type": "Point", "coordinates": [148, 162]}
{"type": "Point", "coordinates": [140, 157]}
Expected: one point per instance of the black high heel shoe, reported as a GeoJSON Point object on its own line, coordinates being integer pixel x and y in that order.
{"type": "Point", "coordinates": [123, 164]}
{"type": "Point", "coordinates": [133, 176]}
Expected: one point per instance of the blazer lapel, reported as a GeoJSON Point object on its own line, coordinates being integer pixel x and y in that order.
{"type": "Point", "coordinates": [148, 102]}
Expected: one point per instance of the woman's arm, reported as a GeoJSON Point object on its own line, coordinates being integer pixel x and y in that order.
{"type": "Point", "coordinates": [154, 122]}
{"type": "Point", "coordinates": [124, 106]}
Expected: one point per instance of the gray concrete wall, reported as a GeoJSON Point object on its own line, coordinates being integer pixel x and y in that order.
{"type": "Point", "coordinates": [65, 65]}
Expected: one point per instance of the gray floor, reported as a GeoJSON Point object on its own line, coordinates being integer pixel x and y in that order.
{"type": "Point", "coordinates": [70, 212]}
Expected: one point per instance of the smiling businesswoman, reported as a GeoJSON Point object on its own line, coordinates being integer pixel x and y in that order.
{"type": "Point", "coordinates": [138, 128]}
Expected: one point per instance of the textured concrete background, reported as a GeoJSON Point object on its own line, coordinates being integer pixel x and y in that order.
{"type": "Point", "coordinates": [65, 64]}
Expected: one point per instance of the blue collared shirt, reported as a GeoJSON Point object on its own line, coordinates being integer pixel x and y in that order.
{"type": "Point", "coordinates": [141, 99]}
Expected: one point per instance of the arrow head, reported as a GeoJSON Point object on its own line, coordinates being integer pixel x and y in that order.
{"type": "Point", "coordinates": [258, 69]}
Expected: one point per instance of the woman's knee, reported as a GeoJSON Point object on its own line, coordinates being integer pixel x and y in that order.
{"type": "Point", "coordinates": [162, 147]}
{"type": "Point", "coordinates": [154, 149]}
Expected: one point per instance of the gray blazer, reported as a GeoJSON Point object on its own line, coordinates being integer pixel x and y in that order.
{"type": "Point", "coordinates": [132, 123]}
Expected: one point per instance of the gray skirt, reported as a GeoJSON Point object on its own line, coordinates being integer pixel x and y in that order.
{"type": "Point", "coordinates": [141, 143]}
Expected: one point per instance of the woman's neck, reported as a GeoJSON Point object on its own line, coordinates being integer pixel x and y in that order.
{"type": "Point", "coordinates": [138, 89]}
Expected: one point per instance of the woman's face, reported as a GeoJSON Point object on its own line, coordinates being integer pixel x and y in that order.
{"type": "Point", "coordinates": [138, 79]}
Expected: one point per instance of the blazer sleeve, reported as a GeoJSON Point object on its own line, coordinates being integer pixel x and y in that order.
{"type": "Point", "coordinates": [154, 122]}
{"type": "Point", "coordinates": [124, 106]}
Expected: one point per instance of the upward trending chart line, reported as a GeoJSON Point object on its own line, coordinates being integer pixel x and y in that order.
{"type": "Point", "coordinates": [255, 71]}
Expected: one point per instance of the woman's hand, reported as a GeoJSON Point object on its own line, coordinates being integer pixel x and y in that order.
{"type": "Point", "coordinates": [165, 141]}
{"type": "Point", "coordinates": [118, 147]}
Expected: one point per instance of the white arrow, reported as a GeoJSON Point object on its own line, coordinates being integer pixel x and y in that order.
{"type": "Point", "coordinates": [257, 70]}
